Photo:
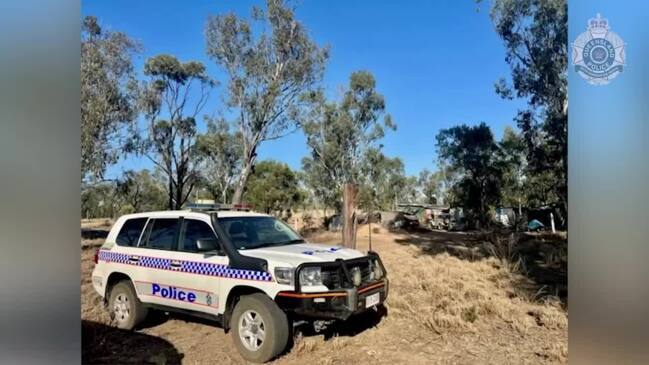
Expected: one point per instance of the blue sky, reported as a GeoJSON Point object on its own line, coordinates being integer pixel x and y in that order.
{"type": "Point", "coordinates": [434, 61]}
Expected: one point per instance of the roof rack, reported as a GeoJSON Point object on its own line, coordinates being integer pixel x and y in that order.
{"type": "Point", "coordinates": [207, 207]}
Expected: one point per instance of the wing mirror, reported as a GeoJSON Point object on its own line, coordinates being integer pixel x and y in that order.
{"type": "Point", "coordinates": [206, 245]}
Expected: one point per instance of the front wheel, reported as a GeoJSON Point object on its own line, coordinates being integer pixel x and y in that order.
{"type": "Point", "coordinates": [259, 328]}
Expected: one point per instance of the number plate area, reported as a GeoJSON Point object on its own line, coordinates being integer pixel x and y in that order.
{"type": "Point", "coordinates": [372, 300]}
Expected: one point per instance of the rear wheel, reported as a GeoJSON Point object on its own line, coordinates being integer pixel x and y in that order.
{"type": "Point", "coordinates": [259, 328]}
{"type": "Point", "coordinates": [125, 308]}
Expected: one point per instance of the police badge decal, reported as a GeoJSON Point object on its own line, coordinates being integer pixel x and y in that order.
{"type": "Point", "coordinates": [598, 54]}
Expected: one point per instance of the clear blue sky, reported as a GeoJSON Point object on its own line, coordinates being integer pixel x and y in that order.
{"type": "Point", "coordinates": [435, 62]}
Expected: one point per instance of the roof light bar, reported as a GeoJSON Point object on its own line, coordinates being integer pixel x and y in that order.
{"type": "Point", "coordinates": [206, 207]}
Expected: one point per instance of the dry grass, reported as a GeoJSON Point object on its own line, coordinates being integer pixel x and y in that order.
{"type": "Point", "coordinates": [454, 295]}
{"type": "Point", "coordinates": [101, 223]}
{"type": "Point", "coordinates": [441, 310]}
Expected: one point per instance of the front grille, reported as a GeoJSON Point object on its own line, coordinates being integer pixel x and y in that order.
{"type": "Point", "coordinates": [333, 276]}
{"type": "Point", "coordinates": [364, 267]}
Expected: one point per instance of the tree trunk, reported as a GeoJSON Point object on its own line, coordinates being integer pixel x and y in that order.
{"type": "Point", "coordinates": [241, 185]}
{"type": "Point", "coordinates": [350, 192]}
{"type": "Point", "coordinates": [369, 228]}
{"type": "Point", "coordinates": [243, 179]}
{"type": "Point", "coordinates": [170, 205]}
{"type": "Point", "coordinates": [179, 196]}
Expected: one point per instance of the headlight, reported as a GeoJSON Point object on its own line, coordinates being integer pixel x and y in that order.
{"type": "Point", "coordinates": [284, 275]}
{"type": "Point", "coordinates": [310, 276]}
{"type": "Point", "coordinates": [378, 273]}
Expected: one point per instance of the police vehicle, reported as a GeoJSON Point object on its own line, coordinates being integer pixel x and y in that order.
{"type": "Point", "coordinates": [249, 271]}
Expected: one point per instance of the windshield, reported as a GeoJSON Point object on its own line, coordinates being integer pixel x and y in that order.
{"type": "Point", "coordinates": [255, 232]}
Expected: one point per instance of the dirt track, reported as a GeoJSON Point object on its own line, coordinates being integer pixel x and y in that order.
{"type": "Point", "coordinates": [442, 309]}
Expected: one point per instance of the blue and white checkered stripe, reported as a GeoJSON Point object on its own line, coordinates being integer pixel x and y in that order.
{"type": "Point", "coordinates": [223, 271]}
{"type": "Point", "coordinates": [190, 267]}
{"type": "Point", "coordinates": [113, 257]}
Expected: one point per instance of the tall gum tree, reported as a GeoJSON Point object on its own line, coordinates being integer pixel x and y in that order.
{"type": "Point", "coordinates": [339, 134]}
{"type": "Point", "coordinates": [267, 74]}
{"type": "Point", "coordinates": [107, 101]}
{"type": "Point", "coordinates": [171, 100]}
{"type": "Point", "coordinates": [535, 35]}
{"type": "Point", "coordinates": [220, 154]}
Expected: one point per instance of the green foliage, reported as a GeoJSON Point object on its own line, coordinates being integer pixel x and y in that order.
{"type": "Point", "coordinates": [535, 33]}
{"type": "Point", "coordinates": [339, 135]}
{"type": "Point", "coordinates": [410, 192]}
{"type": "Point", "coordinates": [319, 185]}
{"type": "Point", "coordinates": [99, 200]}
{"type": "Point", "coordinates": [515, 181]}
{"type": "Point", "coordinates": [107, 102]}
{"type": "Point", "coordinates": [472, 152]}
{"type": "Point", "coordinates": [384, 182]}
{"type": "Point", "coordinates": [134, 191]}
{"type": "Point", "coordinates": [266, 74]}
{"type": "Point", "coordinates": [429, 185]}
{"type": "Point", "coordinates": [220, 151]}
{"type": "Point", "coordinates": [139, 191]}
{"type": "Point", "coordinates": [273, 187]}
{"type": "Point", "coordinates": [170, 139]}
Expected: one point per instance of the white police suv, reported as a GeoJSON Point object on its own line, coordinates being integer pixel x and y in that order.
{"type": "Point", "coordinates": [248, 271]}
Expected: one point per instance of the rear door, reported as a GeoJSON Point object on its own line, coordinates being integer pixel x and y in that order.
{"type": "Point", "coordinates": [180, 276]}
{"type": "Point", "coordinates": [120, 253]}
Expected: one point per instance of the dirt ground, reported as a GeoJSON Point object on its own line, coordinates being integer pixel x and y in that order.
{"type": "Point", "coordinates": [443, 308]}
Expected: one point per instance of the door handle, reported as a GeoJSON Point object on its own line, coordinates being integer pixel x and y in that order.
{"type": "Point", "coordinates": [175, 264]}
{"type": "Point", "coordinates": [133, 259]}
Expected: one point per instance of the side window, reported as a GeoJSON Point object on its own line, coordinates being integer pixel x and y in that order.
{"type": "Point", "coordinates": [195, 230]}
{"type": "Point", "coordinates": [163, 234]}
{"type": "Point", "coordinates": [129, 234]}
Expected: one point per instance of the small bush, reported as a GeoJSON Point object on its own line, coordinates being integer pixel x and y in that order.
{"type": "Point", "coordinates": [470, 314]}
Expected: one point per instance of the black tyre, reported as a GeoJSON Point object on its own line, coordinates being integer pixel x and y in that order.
{"type": "Point", "coordinates": [125, 308]}
{"type": "Point", "coordinates": [259, 328]}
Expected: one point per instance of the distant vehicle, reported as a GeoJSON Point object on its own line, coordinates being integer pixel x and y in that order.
{"type": "Point", "coordinates": [440, 218]}
{"type": "Point", "coordinates": [407, 218]}
{"type": "Point", "coordinates": [248, 271]}
{"type": "Point", "coordinates": [436, 217]}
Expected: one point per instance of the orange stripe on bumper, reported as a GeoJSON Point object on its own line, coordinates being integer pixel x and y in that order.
{"type": "Point", "coordinates": [332, 294]}
{"type": "Point", "coordinates": [373, 286]}
{"type": "Point", "coordinates": [315, 295]}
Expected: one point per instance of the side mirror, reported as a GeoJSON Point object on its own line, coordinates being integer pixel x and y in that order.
{"type": "Point", "coordinates": [205, 245]}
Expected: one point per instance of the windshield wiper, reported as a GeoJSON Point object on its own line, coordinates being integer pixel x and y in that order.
{"type": "Point", "coordinates": [297, 240]}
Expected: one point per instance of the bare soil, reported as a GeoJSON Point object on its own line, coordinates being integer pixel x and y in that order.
{"type": "Point", "coordinates": [443, 308]}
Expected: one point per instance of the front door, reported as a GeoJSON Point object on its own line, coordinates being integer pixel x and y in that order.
{"type": "Point", "coordinates": [181, 276]}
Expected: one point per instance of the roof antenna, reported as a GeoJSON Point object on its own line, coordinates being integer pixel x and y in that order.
{"type": "Point", "coordinates": [369, 226]}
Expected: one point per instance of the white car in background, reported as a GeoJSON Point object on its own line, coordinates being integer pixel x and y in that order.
{"type": "Point", "coordinates": [248, 271]}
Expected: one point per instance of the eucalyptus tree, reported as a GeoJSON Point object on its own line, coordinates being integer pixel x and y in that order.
{"type": "Point", "coordinates": [429, 186]}
{"type": "Point", "coordinates": [513, 159]}
{"type": "Point", "coordinates": [220, 152]}
{"type": "Point", "coordinates": [107, 103]}
{"type": "Point", "coordinates": [535, 35]}
{"type": "Point", "coordinates": [384, 182]}
{"type": "Point", "coordinates": [172, 99]}
{"type": "Point", "coordinates": [339, 134]}
{"type": "Point", "coordinates": [267, 74]}
{"type": "Point", "coordinates": [273, 188]}
{"type": "Point", "coordinates": [320, 184]}
{"type": "Point", "coordinates": [140, 191]}
{"type": "Point", "coordinates": [473, 153]}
